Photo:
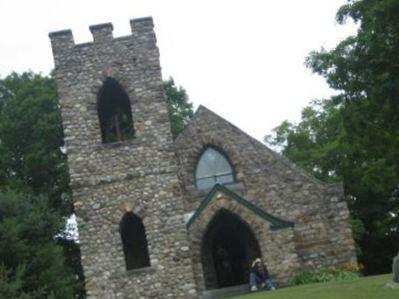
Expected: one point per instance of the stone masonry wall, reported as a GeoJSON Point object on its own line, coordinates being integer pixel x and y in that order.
{"type": "Point", "coordinates": [322, 233]}
{"type": "Point", "coordinates": [136, 175]}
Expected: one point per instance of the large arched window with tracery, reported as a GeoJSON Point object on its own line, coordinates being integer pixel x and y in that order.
{"type": "Point", "coordinates": [213, 168]}
{"type": "Point", "coordinates": [114, 112]}
{"type": "Point", "coordinates": [134, 241]}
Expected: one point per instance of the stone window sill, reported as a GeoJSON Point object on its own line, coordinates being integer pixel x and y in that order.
{"type": "Point", "coordinates": [134, 272]}
{"type": "Point", "coordinates": [119, 143]}
{"type": "Point", "coordinates": [140, 271]}
{"type": "Point", "coordinates": [136, 140]}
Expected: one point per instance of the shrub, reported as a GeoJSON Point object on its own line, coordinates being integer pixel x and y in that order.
{"type": "Point", "coordinates": [351, 267]}
{"type": "Point", "coordinates": [324, 275]}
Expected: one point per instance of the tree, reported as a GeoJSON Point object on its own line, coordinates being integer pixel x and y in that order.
{"type": "Point", "coordinates": [31, 263]}
{"type": "Point", "coordinates": [354, 136]}
{"type": "Point", "coordinates": [31, 139]}
{"type": "Point", "coordinates": [179, 108]}
{"type": "Point", "coordinates": [315, 143]}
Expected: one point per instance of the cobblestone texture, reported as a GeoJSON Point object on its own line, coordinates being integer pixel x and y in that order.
{"type": "Point", "coordinates": [143, 175]}
{"type": "Point", "coordinates": [321, 237]}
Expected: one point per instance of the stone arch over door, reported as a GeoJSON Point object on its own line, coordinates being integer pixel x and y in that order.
{"type": "Point", "coordinates": [274, 236]}
{"type": "Point", "coordinates": [198, 230]}
{"type": "Point", "coordinates": [228, 247]}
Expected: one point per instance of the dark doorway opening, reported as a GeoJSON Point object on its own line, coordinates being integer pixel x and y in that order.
{"type": "Point", "coordinates": [134, 242]}
{"type": "Point", "coordinates": [114, 112]}
{"type": "Point", "coordinates": [229, 246]}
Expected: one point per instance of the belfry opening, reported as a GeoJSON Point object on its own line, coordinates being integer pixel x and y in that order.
{"type": "Point", "coordinates": [229, 246]}
{"type": "Point", "coordinates": [114, 112]}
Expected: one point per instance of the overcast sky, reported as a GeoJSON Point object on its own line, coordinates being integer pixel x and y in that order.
{"type": "Point", "coordinates": [242, 59]}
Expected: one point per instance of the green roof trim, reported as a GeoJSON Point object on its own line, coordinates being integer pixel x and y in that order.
{"type": "Point", "coordinates": [276, 223]}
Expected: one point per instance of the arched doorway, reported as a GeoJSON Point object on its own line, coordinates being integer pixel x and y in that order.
{"type": "Point", "coordinates": [228, 248]}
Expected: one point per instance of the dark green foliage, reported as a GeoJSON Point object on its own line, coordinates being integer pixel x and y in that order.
{"type": "Point", "coordinates": [31, 264]}
{"type": "Point", "coordinates": [179, 107]}
{"type": "Point", "coordinates": [358, 232]}
{"type": "Point", "coordinates": [314, 143]}
{"type": "Point", "coordinates": [323, 275]}
{"type": "Point", "coordinates": [32, 162]}
{"type": "Point", "coordinates": [395, 268]}
{"type": "Point", "coordinates": [11, 283]}
{"type": "Point", "coordinates": [71, 251]}
{"type": "Point", "coordinates": [31, 139]}
{"type": "Point", "coordinates": [354, 136]}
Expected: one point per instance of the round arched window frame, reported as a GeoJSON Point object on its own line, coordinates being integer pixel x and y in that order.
{"type": "Point", "coordinates": [213, 167]}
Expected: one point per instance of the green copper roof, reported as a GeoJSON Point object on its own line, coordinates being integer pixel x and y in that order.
{"type": "Point", "coordinates": [276, 223]}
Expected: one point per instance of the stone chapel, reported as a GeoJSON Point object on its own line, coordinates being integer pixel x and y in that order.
{"type": "Point", "coordinates": [164, 218]}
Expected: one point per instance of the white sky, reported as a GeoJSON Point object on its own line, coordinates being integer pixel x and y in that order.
{"type": "Point", "coordinates": [242, 59]}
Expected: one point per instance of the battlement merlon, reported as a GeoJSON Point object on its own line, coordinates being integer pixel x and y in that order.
{"type": "Point", "coordinates": [142, 26]}
{"type": "Point", "coordinates": [62, 41]}
{"type": "Point", "coordinates": [102, 32]}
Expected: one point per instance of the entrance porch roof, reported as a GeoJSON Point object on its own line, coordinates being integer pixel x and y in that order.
{"type": "Point", "coordinates": [217, 190]}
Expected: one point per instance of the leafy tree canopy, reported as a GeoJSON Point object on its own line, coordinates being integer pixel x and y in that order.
{"type": "Point", "coordinates": [179, 107]}
{"type": "Point", "coordinates": [31, 138]}
{"type": "Point", "coordinates": [31, 264]}
{"type": "Point", "coordinates": [354, 135]}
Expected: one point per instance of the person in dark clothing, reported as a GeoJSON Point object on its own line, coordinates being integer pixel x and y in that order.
{"type": "Point", "coordinates": [259, 275]}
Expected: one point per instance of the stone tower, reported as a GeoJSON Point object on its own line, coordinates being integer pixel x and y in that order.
{"type": "Point", "coordinates": [123, 170]}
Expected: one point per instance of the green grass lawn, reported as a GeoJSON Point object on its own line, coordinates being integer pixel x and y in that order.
{"type": "Point", "coordinates": [371, 287]}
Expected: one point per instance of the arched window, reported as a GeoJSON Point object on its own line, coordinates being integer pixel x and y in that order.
{"type": "Point", "coordinates": [134, 242]}
{"type": "Point", "coordinates": [213, 168]}
{"type": "Point", "coordinates": [114, 112]}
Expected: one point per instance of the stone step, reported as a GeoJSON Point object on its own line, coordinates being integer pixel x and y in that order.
{"type": "Point", "coordinates": [224, 292]}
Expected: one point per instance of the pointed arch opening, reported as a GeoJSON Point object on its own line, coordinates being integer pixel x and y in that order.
{"type": "Point", "coordinates": [228, 248]}
{"type": "Point", "coordinates": [213, 167]}
{"type": "Point", "coordinates": [134, 241]}
{"type": "Point", "coordinates": [114, 112]}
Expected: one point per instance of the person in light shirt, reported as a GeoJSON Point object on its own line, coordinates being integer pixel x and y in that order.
{"type": "Point", "coordinates": [259, 276]}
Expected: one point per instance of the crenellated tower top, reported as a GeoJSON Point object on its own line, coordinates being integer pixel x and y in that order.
{"type": "Point", "coordinates": [62, 41]}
